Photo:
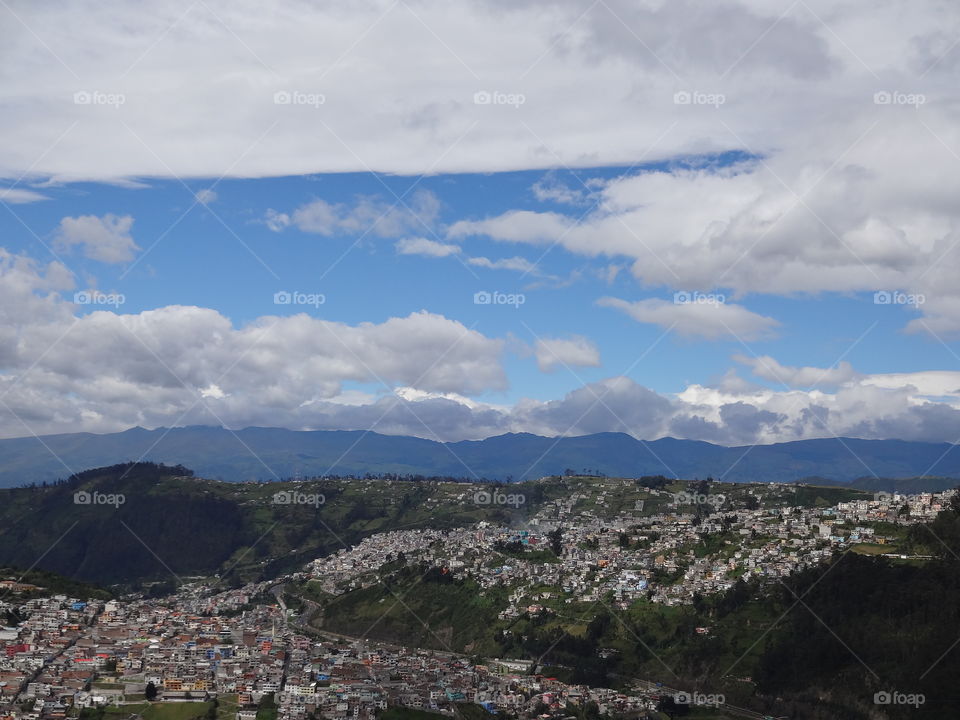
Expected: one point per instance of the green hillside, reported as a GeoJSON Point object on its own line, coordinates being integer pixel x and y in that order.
{"type": "Point", "coordinates": [820, 644]}
{"type": "Point", "coordinates": [171, 523]}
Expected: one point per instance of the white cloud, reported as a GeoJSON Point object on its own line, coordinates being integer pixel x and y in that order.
{"type": "Point", "coordinates": [106, 238]}
{"type": "Point", "coordinates": [206, 196]}
{"type": "Point", "coordinates": [276, 221]}
{"type": "Point", "coordinates": [375, 216]}
{"type": "Point", "coordinates": [516, 226]}
{"type": "Point", "coordinates": [550, 189]}
{"type": "Point", "coordinates": [199, 103]}
{"type": "Point", "coordinates": [707, 320]}
{"type": "Point", "coordinates": [151, 367]}
{"type": "Point", "coordinates": [111, 370]}
{"type": "Point", "coordinates": [768, 368]}
{"type": "Point", "coordinates": [576, 351]}
{"type": "Point", "coordinates": [18, 196]}
{"type": "Point", "coordinates": [426, 247]}
{"type": "Point", "coordinates": [516, 263]}
{"type": "Point", "coordinates": [199, 83]}
{"type": "Point", "coordinates": [857, 198]}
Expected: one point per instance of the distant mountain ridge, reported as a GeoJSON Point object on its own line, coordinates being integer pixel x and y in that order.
{"type": "Point", "coordinates": [268, 453]}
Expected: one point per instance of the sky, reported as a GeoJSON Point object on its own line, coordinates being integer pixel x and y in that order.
{"type": "Point", "coordinates": [733, 221]}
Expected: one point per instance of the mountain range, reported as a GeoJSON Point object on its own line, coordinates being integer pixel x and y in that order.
{"type": "Point", "coordinates": [273, 453]}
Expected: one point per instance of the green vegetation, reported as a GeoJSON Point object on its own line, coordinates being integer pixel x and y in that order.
{"type": "Point", "coordinates": [204, 527]}
{"type": "Point", "coordinates": [405, 713]}
{"type": "Point", "coordinates": [267, 710]}
{"type": "Point", "coordinates": [51, 583]}
{"type": "Point", "coordinates": [866, 624]}
{"type": "Point", "coordinates": [152, 711]}
{"type": "Point", "coordinates": [420, 606]}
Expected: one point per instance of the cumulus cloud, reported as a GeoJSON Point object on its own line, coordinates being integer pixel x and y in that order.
{"type": "Point", "coordinates": [423, 374]}
{"type": "Point", "coordinates": [842, 117]}
{"type": "Point", "coordinates": [768, 368]}
{"type": "Point", "coordinates": [434, 249]}
{"type": "Point", "coordinates": [576, 351]}
{"type": "Point", "coordinates": [710, 320]}
{"type": "Point", "coordinates": [550, 188]}
{"type": "Point", "coordinates": [426, 247]}
{"type": "Point", "coordinates": [106, 238]}
{"type": "Point", "coordinates": [379, 217]}
{"type": "Point", "coordinates": [206, 196]}
{"type": "Point", "coordinates": [152, 367]}
{"type": "Point", "coordinates": [855, 198]}
{"type": "Point", "coordinates": [516, 263]}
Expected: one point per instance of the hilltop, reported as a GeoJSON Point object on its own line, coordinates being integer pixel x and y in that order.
{"type": "Point", "coordinates": [145, 522]}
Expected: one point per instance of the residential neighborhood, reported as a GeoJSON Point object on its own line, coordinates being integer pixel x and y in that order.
{"type": "Point", "coordinates": [242, 649]}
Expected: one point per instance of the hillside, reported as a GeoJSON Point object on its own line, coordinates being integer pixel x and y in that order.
{"type": "Point", "coordinates": [821, 644]}
{"type": "Point", "coordinates": [274, 453]}
{"type": "Point", "coordinates": [148, 522]}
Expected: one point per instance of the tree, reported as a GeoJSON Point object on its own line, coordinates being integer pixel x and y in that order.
{"type": "Point", "coordinates": [556, 541]}
{"type": "Point", "coordinates": [151, 692]}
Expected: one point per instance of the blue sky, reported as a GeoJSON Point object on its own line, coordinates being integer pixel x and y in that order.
{"type": "Point", "coordinates": [789, 167]}
{"type": "Point", "coordinates": [236, 267]}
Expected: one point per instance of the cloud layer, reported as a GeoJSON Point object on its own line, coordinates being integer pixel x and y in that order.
{"type": "Point", "coordinates": [419, 375]}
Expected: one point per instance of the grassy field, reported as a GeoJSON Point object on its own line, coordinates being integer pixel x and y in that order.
{"type": "Point", "coordinates": [872, 549]}
{"type": "Point", "coordinates": [227, 708]}
{"type": "Point", "coordinates": [158, 711]}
